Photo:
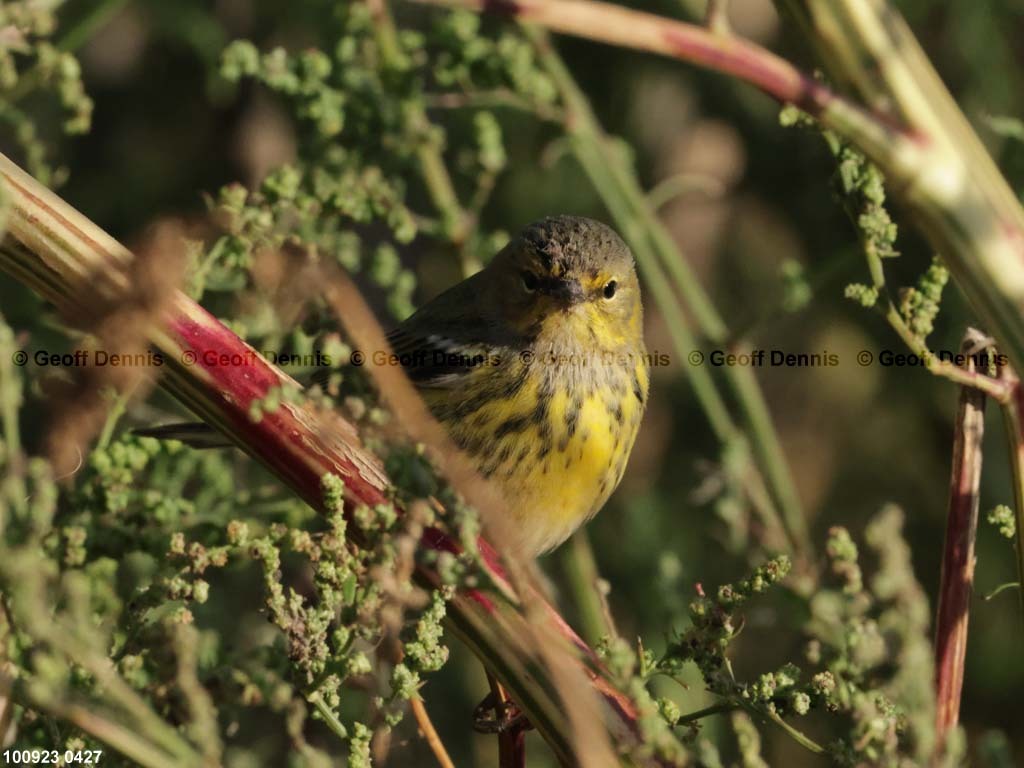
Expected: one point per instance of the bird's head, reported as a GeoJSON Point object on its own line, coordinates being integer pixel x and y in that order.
{"type": "Point", "coordinates": [568, 274]}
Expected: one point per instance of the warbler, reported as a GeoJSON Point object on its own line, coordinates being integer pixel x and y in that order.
{"type": "Point", "coordinates": [536, 366]}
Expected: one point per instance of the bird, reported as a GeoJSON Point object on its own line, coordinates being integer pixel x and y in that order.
{"type": "Point", "coordinates": [537, 369]}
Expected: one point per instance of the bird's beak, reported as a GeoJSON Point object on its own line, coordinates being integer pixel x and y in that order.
{"type": "Point", "coordinates": [566, 292]}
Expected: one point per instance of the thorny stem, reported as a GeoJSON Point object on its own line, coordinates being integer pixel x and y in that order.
{"type": "Point", "coordinates": [957, 578]}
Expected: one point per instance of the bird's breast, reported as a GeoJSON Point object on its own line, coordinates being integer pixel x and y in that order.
{"type": "Point", "coordinates": [553, 432]}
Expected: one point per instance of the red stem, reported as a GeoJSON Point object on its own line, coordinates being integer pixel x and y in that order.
{"type": "Point", "coordinates": [957, 577]}
{"type": "Point", "coordinates": [512, 748]}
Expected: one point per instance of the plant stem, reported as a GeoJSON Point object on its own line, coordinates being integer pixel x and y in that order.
{"type": "Point", "coordinates": [71, 41]}
{"type": "Point", "coordinates": [580, 568]}
{"type": "Point", "coordinates": [953, 189]}
{"type": "Point", "coordinates": [430, 733]}
{"type": "Point", "coordinates": [802, 739]}
{"type": "Point", "coordinates": [332, 722]}
{"type": "Point", "coordinates": [127, 741]}
{"type": "Point", "coordinates": [957, 577]}
{"type": "Point", "coordinates": [714, 709]}
{"type": "Point", "coordinates": [98, 15]}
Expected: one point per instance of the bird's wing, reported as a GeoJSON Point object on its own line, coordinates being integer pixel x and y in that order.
{"type": "Point", "coordinates": [436, 359]}
{"type": "Point", "coordinates": [451, 337]}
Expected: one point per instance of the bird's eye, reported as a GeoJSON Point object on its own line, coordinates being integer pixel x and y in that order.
{"type": "Point", "coordinates": [609, 289]}
{"type": "Point", "coordinates": [530, 281]}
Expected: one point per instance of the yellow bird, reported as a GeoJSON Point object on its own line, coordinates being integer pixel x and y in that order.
{"type": "Point", "coordinates": [536, 366]}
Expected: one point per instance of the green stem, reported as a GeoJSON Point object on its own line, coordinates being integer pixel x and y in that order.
{"type": "Point", "coordinates": [328, 716]}
{"type": "Point", "coordinates": [117, 737]}
{"type": "Point", "coordinates": [714, 709]}
{"type": "Point", "coordinates": [803, 740]}
{"type": "Point", "coordinates": [114, 415]}
{"type": "Point", "coordinates": [580, 568]}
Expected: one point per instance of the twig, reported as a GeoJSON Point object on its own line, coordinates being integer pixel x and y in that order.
{"type": "Point", "coordinates": [680, 184]}
{"type": "Point", "coordinates": [329, 718]}
{"type": "Point", "coordinates": [799, 736]}
{"type": "Point", "coordinates": [957, 579]}
{"type": "Point", "coordinates": [429, 733]}
{"type": "Point", "coordinates": [965, 376]}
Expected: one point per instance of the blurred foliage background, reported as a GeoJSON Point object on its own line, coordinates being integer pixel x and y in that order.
{"type": "Point", "coordinates": [754, 215]}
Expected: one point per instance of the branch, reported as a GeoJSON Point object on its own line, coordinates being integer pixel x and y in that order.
{"type": "Point", "coordinates": [70, 261]}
